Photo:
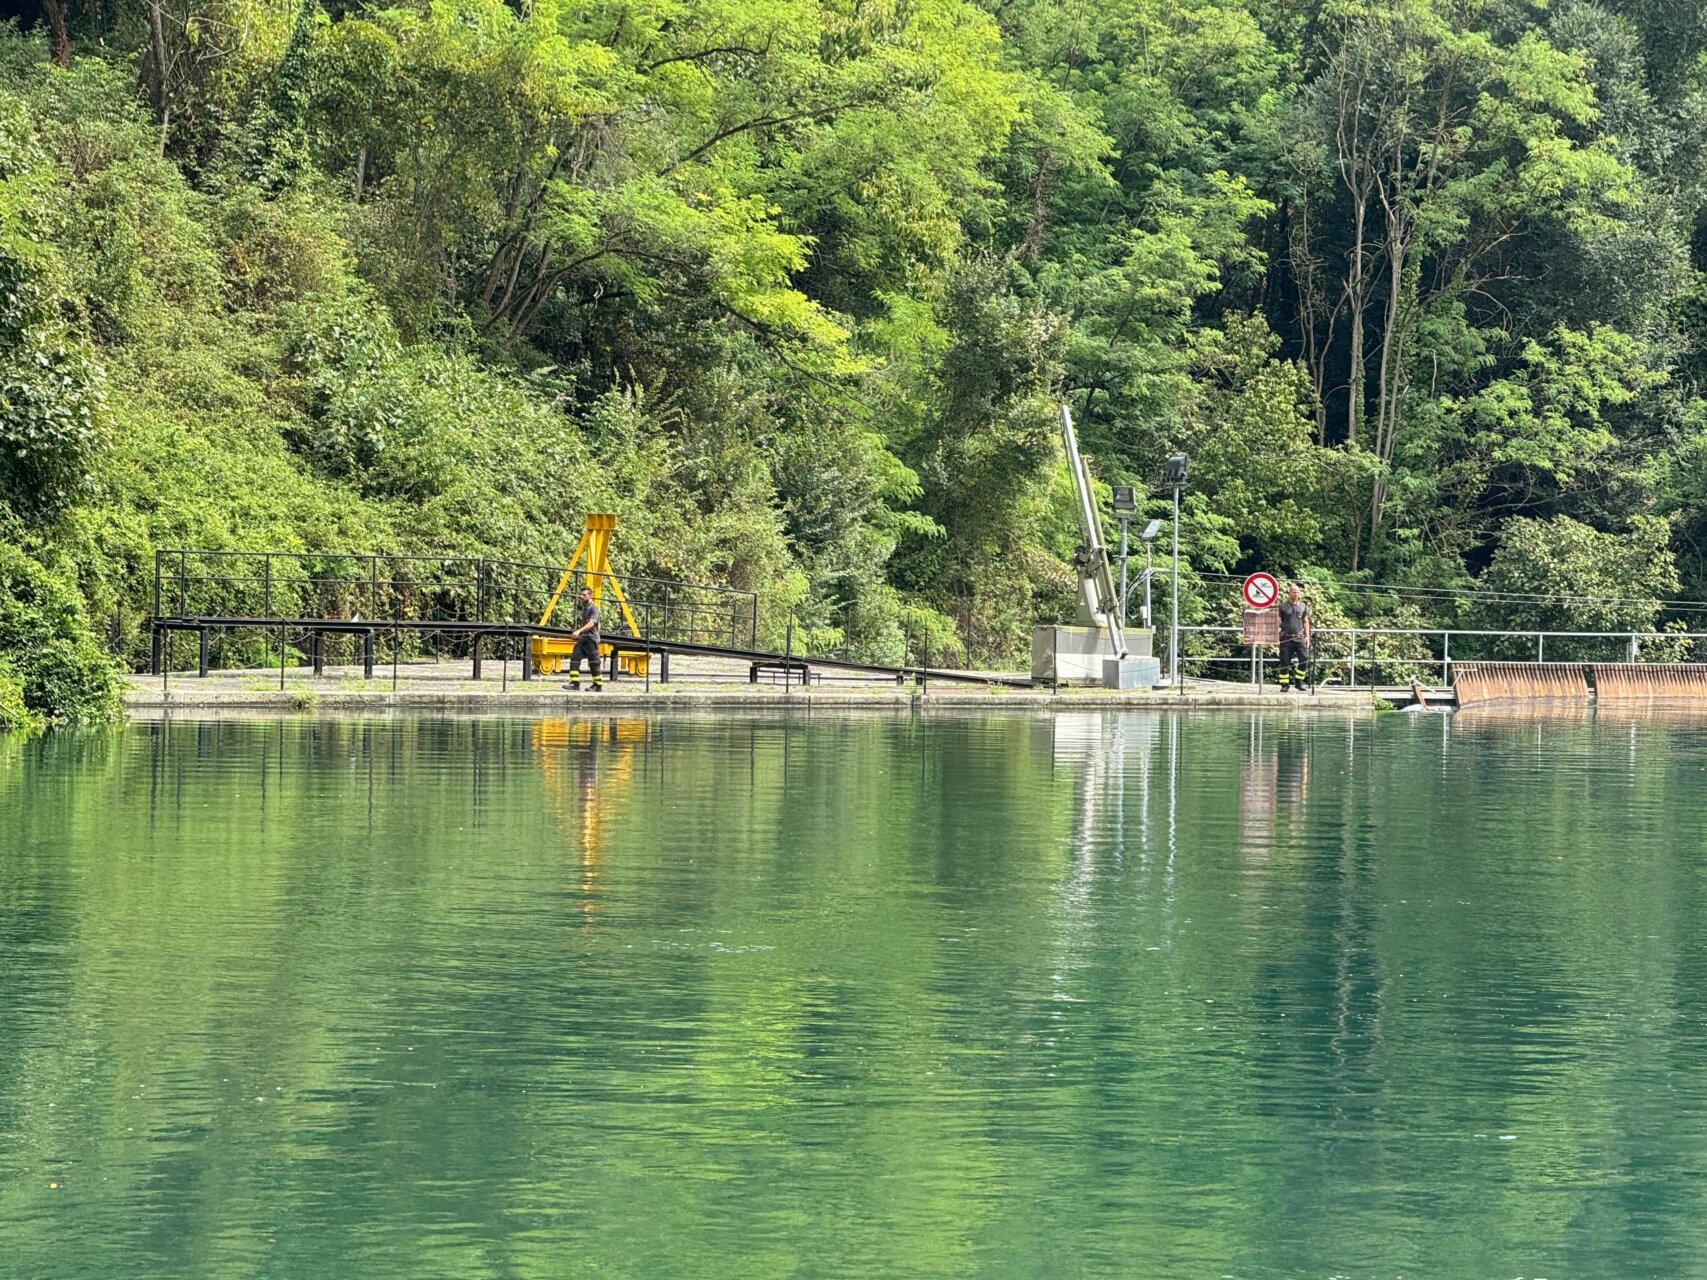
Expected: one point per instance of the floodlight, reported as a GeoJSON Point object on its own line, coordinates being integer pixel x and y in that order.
{"type": "Point", "coordinates": [1175, 470]}
{"type": "Point", "coordinates": [1125, 498]}
{"type": "Point", "coordinates": [1150, 531]}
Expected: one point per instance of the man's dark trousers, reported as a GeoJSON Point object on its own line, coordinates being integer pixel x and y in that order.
{"type": "Point", "coordinates": [588, 648]}
{"type": "Point", "coordinates": [1291, 663]}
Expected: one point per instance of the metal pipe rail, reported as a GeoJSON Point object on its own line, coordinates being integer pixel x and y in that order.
{"type": "Point", "coordinates": [212, 583]}
{"type": "Point", "coordinates": [371, 629]}
{"type": "Point", "coordinates": [1631, 640]}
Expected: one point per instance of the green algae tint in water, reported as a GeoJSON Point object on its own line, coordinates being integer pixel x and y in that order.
{"type": "Point", "coordinates": [1135, 994]}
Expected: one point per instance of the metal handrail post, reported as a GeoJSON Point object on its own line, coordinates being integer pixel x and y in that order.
{"type": "Point", "coordinates": [1540, 646]}
{"type": "Point", "coordinates": [1354, 659]}
{"type": "Point", "coordinates": [1445, 658]}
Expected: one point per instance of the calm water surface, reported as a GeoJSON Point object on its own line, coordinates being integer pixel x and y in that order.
{"type": "Point", "coordinates": [877, 995]}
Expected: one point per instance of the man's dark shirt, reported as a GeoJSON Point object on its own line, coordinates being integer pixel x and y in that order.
{"type": "Point", "coordinates": [590, 613]}
{"type": "Point", "coordinates": [1292, 619]}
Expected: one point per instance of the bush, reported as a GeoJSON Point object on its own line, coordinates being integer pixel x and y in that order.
{"type": "Point", "coordinates": [15, 715]}
{"type": "Point", "coordinates": [61, 670]}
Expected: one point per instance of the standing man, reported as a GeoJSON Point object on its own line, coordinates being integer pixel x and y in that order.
{"type": "Point", "coordinates": [1294, 639]}
{"type": "Point", "coordinates": [586, 638]}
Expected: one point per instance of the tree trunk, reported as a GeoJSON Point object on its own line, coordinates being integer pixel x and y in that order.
{"type": "Point", "coordinates": [1031, 247]}
{"type": "Point", "coordinates": [157, 54]}
{"type": "Point", "coordinates": [1356, 289]}
{"type": "Point", "coordinates": [1311, 306]}
{"type": "Point", "coordinates": [59, 40]}
{"type": "Point", "coordinates": [361, 174]}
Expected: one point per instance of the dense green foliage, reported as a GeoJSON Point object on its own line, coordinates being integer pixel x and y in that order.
{"type": "Point", "coordinates": [793, 285]}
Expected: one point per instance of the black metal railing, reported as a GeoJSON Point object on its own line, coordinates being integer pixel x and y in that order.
{"type": "Point", "coordinates": [268, 586]}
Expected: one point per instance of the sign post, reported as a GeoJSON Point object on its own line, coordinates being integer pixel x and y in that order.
{"type": "Point", "coordinates": [1262, 625]}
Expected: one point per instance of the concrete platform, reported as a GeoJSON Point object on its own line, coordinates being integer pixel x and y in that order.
{"type": "Point", "coordinates": [702, 683]}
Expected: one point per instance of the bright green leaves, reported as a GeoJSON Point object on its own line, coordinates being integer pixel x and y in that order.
{"type": "Point", "coordinates": [1549, 414]}
{"type": "Point", "coordinates": [50, 385]}
{"type": "Point", "coordinates": [660, 151]}
{"type": "Point", "coordinates": [1596, 581]}
{"type": "Point", "coordinates": [51, 667]}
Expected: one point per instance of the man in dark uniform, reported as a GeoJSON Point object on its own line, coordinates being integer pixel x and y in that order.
{"type": "Point", "coordinates": [1294, 639]}
{"type": "Point", "coordinates": [586, 638]}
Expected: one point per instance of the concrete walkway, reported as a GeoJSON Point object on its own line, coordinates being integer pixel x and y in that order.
{"type": "Point", "coordinates": [702, 683]}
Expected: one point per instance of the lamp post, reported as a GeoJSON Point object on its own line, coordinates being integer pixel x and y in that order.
{"type": "Point", "coordinates": [1125, 506]}
{"type": "Point", "coordinates": [1148, 538]}
{"type": "Point", "coordinates": [1174, 474]}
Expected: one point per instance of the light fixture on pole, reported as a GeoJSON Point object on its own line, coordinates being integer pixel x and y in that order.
{"type": "Point", "coordinates": [1125, 507]}
{"type": "Point", "coordinates": [1174, 475]}
{"type": "Point", "coordinates": [1148, 538]}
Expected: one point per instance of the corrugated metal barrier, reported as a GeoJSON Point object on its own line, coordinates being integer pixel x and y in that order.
{"type": "Point", "coordinates": [1477, 682]}
{"type": "Point", "coordinates": [1628, 682]}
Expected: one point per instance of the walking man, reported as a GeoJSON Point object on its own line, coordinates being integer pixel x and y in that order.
{"type": "Point", "coordinates": [586, 638]}
{"type": "Point", "coordinates": [1294, 639]}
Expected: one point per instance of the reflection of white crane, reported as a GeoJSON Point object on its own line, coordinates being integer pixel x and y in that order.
{"type": "Point", "coordinates": [1098, 602]}
{"type": "Point", "coordinates": [1104, 751]}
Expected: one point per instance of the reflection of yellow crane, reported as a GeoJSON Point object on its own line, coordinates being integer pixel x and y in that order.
{"type": "Point", "coordinates": [577, 744]}
{"type": "Point", "coordinates": [550, 651]}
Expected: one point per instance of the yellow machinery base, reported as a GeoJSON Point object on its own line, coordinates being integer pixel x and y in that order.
{"type": "Point", "coordinates": [550, 654]}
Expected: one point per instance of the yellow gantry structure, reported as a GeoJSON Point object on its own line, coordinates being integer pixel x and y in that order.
{"type": "Point", "coordinates": [593, 551]}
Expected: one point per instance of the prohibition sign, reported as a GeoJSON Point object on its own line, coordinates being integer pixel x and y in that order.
{"type": "Point", "coordinates": [1261, 590]}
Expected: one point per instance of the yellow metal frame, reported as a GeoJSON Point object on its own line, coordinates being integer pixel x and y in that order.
{"type": "Point", "coordinates": [550, 651]}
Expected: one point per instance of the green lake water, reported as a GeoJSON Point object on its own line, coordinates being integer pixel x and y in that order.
{"type": "Point", "coordinates": [1134, 994]}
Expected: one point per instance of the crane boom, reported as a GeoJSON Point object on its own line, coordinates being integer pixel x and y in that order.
{"type": "Point", "coordinates": [1096, 584]}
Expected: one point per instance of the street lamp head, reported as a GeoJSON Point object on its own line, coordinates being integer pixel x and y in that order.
{"type": "Point", "coordinates": [1150, 531]}
{"type": "Point", "coordinates": [1125, 498]}
{"type": "Point", "coordinates": [1174, 471]}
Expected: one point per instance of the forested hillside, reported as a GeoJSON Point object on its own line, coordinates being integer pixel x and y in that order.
{"type": "Point", "coordinates": [792, 286]}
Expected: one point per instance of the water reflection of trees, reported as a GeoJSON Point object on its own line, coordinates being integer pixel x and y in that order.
{"type": "Point", "coordinates": [1204, 995]}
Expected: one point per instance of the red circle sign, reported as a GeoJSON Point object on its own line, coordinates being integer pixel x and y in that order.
{"type": "Point", "coordinates": [1261, 590]}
